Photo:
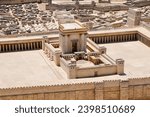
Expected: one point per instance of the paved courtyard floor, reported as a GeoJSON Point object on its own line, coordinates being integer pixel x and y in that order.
{"type": "Point", "coordinates": [33, 68]}
{"type": "Point", "coordinates": [28, 68]}
{"type": "Point", "coordinates": [135, 54]}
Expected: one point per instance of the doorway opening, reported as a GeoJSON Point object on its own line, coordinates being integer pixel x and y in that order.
{"type": "Point", "coordinates": [74, 46]}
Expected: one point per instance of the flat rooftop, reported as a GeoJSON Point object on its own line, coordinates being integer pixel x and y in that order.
{"type": "Point", "coordinates": [28, 68]}
{"type": "Point", "coordinates": [135, 54]}
{"type": "Point", "coordinates": [84, 63]}
{"type": "Point", "coordinates": [33, 68]}
{"type": "Point", "coordinates": [68, 26]}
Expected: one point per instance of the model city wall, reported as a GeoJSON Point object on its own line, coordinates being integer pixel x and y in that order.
{"type": "Point", "coordinates": [134, 88]}
{"type": "Point", "coordinates": [128, 88]}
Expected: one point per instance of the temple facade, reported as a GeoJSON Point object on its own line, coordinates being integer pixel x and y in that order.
{"type": "Point", "coordinates": [80, 57]}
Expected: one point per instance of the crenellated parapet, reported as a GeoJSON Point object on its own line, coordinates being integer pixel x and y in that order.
{"type": "Point", "coordinates": [104, 89]}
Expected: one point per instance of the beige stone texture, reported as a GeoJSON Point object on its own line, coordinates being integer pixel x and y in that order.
{"type": "Point", "coordinates": [32, 75]}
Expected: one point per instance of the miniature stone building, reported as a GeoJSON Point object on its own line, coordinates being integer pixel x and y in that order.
{"type": "Point", "coordinates": [134, 17]}
{"type": "Point", "coordinates": [36, 65]}
{"type": "Point", "coordinates": [79, 56]}
{"type": "Point", "coordinates": [72, 38]}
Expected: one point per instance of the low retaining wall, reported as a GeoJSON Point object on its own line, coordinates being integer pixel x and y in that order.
{"type": "Point", "coordinates": [96, 71]}
{"type": "Point", "coordinates": [144, 39]}
{"type": "Point", "coordinates": [52, 53]}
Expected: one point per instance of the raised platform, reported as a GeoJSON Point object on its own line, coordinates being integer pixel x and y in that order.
{"type": "Point", "coordinates": [27, 68]}
{"type": "Point", "coordinates": [33, 68]}
{"type": "Point", "coordinates": [31, 75]}
{"type": "Point", "coordinates": [135, 55]}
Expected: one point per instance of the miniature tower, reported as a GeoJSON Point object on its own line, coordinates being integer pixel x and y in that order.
{"type": "Point", "coordinates": [120, 66]}
{"type": "Point", "coordinates": [134, 17]}
{"type": "Point", "coordinates": [72, 37]}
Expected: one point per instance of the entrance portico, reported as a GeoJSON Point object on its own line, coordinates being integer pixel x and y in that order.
{"type": "Point", "coordinates": [72, 37]}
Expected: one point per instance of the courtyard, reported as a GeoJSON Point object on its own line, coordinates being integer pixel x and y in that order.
{"type": "Point", "coordinates": [27, 68]}
{"type": "Point", "coordinates": [135, 54]}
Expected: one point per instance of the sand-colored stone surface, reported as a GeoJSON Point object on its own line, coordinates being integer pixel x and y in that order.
{"type": "Point", "coordinates": [135, 54]}
{"type": "Point", "coordinates": [28, 68]}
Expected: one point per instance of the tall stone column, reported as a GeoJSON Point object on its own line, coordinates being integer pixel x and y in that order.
{"type": "Point", "coordinates": [29, 48]}
{"type": "Point", "coordinates": [22, 46]}
{"type": "Point", "coordinates": [9, 47]}
{"type": "Point", "coordinates": [43, 45]}
{"type": "Point", "coordinates": [34, 45]}
{"type": "Point", "coordinates": [6, 47]}
{"type": "Point", "coordinates": [15, 47]}
{"type": "Point", "coordinates": [19, 46]}
{"type": "Point", "coordinates": [37, 45]}
{"type": "Point", "coordinates": [31, 44]}
{"type": "Point", "coordinates": [12, 47]}
{"type": "Point", "coordinates": [25, 45]}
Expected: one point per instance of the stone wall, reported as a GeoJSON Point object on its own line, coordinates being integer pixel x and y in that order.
{"type": "Point", "coordinates": [18, 1]}
{"type": "Point", "coordinates": [52, 53]}
{"type": "Point", "coordinates": [111, 8]}
{"type": "Point", "coordinates": [111, 38]}
{"type": "Point", "coordinates": [64, 65]}
{"type": "Point", "coordinates": [93, 45]}
{"type": "Point", "coordinates": [141, 3]}
{"type": "Point", "coordinates": [144, 39]}
{"type": "Point", "coordinates": [96, 71]}
{"type": "Point", "coordinates": [138, 88]}
{"type": "Point", "coordinates": [30, 34]}
{"type": "Point", "coordinates": [119, 89]}
{"type": "Point", "coordinates": [89, 6]}
{"type": "Point", "coordinates": [74, 71]}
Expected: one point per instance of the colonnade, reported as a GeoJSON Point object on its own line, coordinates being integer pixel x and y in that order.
{"type": "Point", "coordinates": [144, 40]}
{"type": "Point", "coordinates": [114, 38]}
{"type": "Point", "coordinates": [20, 46]}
